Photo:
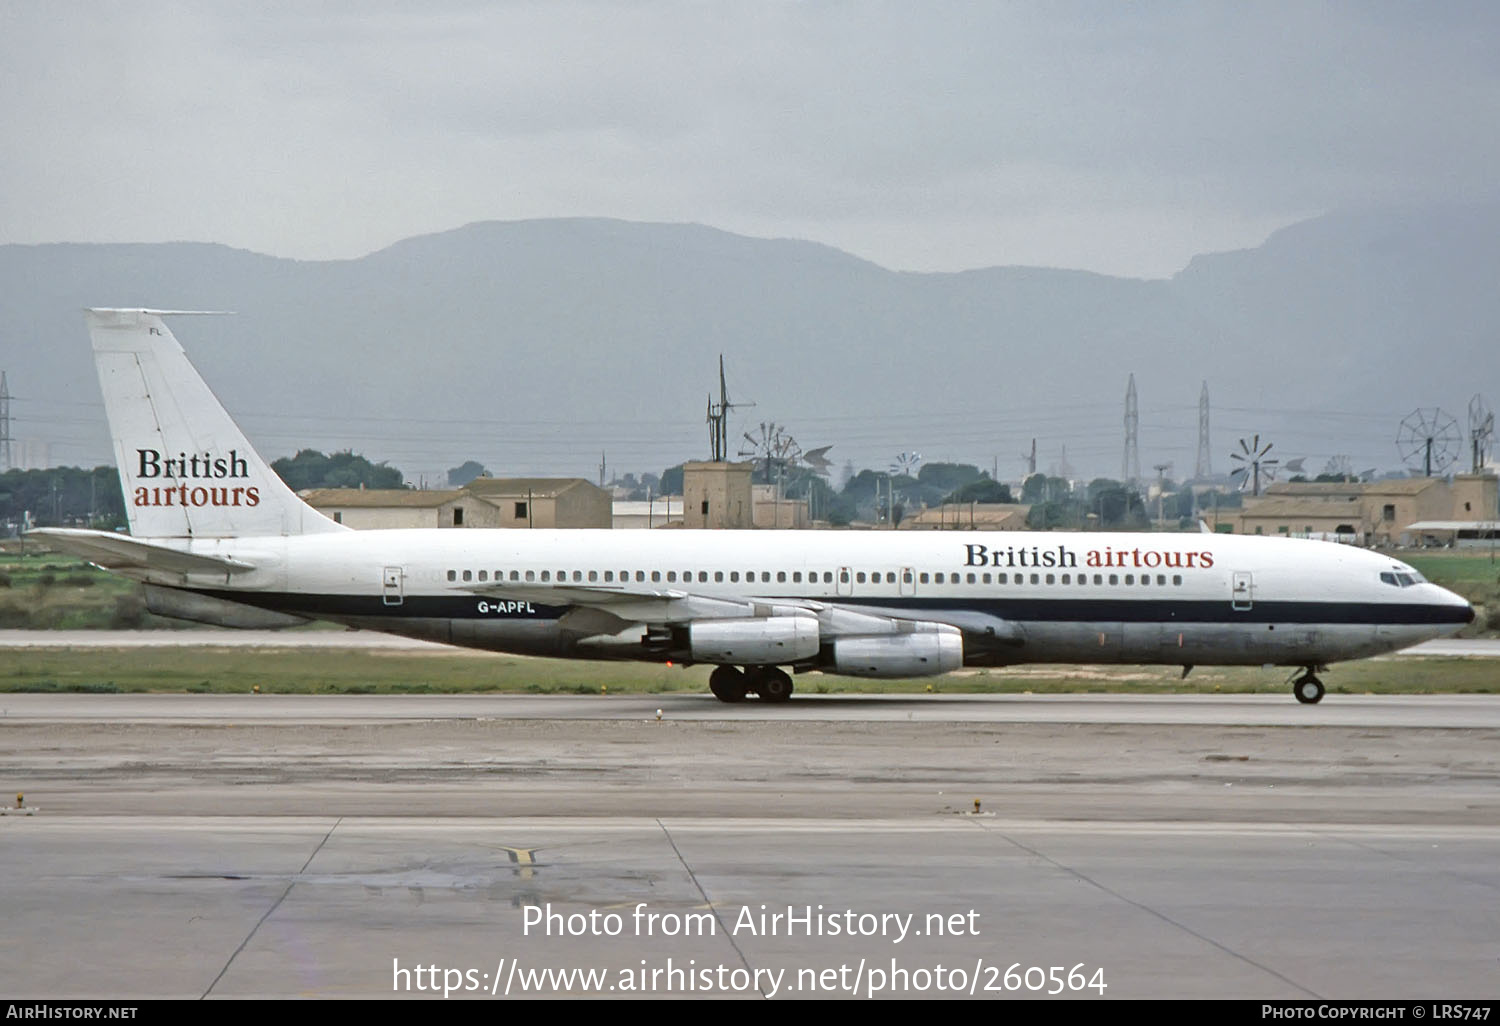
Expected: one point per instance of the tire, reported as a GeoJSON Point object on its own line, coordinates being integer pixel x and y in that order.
{"type": "Point", "coordinates": [727, 684]}
{"type": "Point", "coordinates": [1309, 690]}
{"type": "Point", "coordinates": [775, 685]}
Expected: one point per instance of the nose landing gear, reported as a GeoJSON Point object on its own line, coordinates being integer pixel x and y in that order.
{"type": "Point", "coordinates": [1307, 687]}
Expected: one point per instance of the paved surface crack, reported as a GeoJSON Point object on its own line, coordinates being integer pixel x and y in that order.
{"type": "Point", "coordinates": [1149, 910]}
{"type": "Point", "coordinates": [273, 908]}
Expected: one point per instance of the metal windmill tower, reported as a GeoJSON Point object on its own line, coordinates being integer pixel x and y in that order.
{"type": "Point", "coordinates": [718, 418]}
{"type": "Point", "coordinates": [1130, 470]}
{"type": "Point", "coordinates": [1429, 441]}
{"type": "Point", "coordinates": [1253, 464]}
{"type": "Point", "coordinates": [1481, 431]}
{"type": "Point", "coordinates": [1205, 460]}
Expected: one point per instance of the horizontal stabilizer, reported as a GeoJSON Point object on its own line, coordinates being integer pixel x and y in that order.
{"type": "Point", "coordinates": [122, 552]}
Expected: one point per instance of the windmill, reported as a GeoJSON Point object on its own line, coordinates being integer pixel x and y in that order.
{"type": "Point", "coordinates": [906, 464]}
{"type": "Point", "coordinates": [1481, 431]}
{"type": "Point", "coordinates": [1253, 464]}
{"type": "Point", "coordinates": [1428, 441]}
{"type": "Point", "coordinates": [773, 448]}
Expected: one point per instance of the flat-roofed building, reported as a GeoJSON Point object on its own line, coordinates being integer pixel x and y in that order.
{"type": "Point", "coordinates": [1369, 512]}
{"type": "Point", "coordinates": [717, 495]}
{"type": "Point", "coordinates": [665, 511]}
{"type": "Point", "coordinates": [527, 502]}
{"type": "Point", "coordinates": [540, 502]}
{"type": "Point", "coordinates": [379, 508]}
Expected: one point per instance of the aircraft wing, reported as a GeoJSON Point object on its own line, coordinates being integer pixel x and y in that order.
{"type": "Point", "coordinates": [671, 606]}
{"type": "Point", "coordinates": [648, 605]}
{"type": "Point", "coordinates": [122, 552]}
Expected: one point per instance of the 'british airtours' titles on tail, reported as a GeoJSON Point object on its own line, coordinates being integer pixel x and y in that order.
{"type": "Point", "coordinates": [1105, 558]}
{"type": "Point", "coordinates": [183, 469]}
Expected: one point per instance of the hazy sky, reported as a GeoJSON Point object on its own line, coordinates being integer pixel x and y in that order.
{"type": "Point", "coordinates": [1121, 138]}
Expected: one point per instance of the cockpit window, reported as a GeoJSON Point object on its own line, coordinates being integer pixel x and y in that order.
{"type": "Point", "coordinates": [1402, 578]}
{"type": "Point", "coordinates": [1389, 578]}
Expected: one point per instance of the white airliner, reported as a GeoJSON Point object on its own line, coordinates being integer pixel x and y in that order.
{"type": "Point", "coordinates": [217, 537]}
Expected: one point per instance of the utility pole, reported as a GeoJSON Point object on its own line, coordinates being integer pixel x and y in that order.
{"type": "Point", "coordinates": [7, 462]}
{"type": "Point", "coordinates": [1204, 468]}
{"type": "Point", "coordinates": [1161, 488]}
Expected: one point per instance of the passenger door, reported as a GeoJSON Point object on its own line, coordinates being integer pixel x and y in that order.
{"type": "Point", "coordinates": [1242, 595]}
{"type": "Point", "coordinates": [392, 587]}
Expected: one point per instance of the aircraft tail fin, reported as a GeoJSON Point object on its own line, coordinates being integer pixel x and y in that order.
{"type": "Point", "coordinates": [185, 467]}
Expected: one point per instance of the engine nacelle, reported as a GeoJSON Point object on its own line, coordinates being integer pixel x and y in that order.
{"type": "Point", "coordinates": [760, 641]}
{"type": "Point", "coordinates": [919, 654]}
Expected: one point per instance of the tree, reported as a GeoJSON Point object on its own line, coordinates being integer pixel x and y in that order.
{"type": "Point", "coordinates": [949, 477]}
{"type": "Point", "coordinates": [465, 472]}
{"type": "Point", "coordinates": [982, 490]}
{"type": "Point", "coordinates": [63, 496]}
{"type": "Point", "coordinates": [671, 481]}
{"type": "Point", "coordinates": [311, 469]}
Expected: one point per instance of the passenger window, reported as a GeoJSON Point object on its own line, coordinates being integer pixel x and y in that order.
{"type": "Point", "coordinates": [484, 575]}
{"type": "Point", "coordinates": [468, 575]}
{"type": "Point", "coordinates": [1114, 578]}
{"type": "Point", "coordinates": [531, 575]}
{"type": "Point", "coordinates": [656, 576]}
{"type": "Point", "coordinates": [827, 576]}
{"type": "Point", "coordinates": [765, 577]}
{"type": "Point", "coordinates": [702, 576]}
{"type": "Point", "coordinates": [1145, 578]}
{"type": "Point", "coordinates": [577, 575]}
{"type": "Point", "coordinates": [718, 577]}
{"type": "Point", "coordinates": [1099, 578]}
{"type": "Point", "coordinates": [843, 576]}
{"type": "Point", "coordinates": [515, 575]}
{"type": "Point", "coordinates": [1067, 579]}
{"type": "Point", "coordinates": [1161, 578]}
{"type": "Point", "coordinates": [986, 578]}
{"type": "Point", "coordinates": [1177, 579]}
{"type": "Point", "coordinates": [593, 576]}
{"type": "Point", "coordinates": [922, 577]}
{"type": "Point", "coordinates": [546, 575]}
{"type": "Point", "coordinates": [640, 575]}
{"type": "Point", "coordinates": [1000, 579]}
{"type": "Point", "coordinates": [452, 575]}
{"type": "Point", "coordinates": [860, 577]}
{"type": "Point", "coordinates": [937, 579]}
{"type": "Point", "coordinates": [973, 579]}
{"type": "Point", "coordinates": [734, 577]}
{"type": "Point", "coordinates": [671, 576]}
{"type": "Point", "coordinates": [609, 575]}
{"type": "Point", "coordinates": [1051, 579]}
{"type": "Point", "coordinates": [796, 576]}
{"type": "Point", "coordinates": [1035, 579]}
{"type": "Point", "coordinates": [1130, 578]}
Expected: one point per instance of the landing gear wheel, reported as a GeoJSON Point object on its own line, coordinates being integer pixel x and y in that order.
{"type": "Point", "coordinates": [775, 685]}
{"type": "Point", "coordinates": [727, 684]}
{"type": "Point", "coordinates": [1308, 689]}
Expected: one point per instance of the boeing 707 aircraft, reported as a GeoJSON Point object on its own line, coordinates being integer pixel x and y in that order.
{"type": "Point", "coordinates": [216, 537]}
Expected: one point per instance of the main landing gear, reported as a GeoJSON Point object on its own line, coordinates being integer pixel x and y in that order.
{"type": "Point", "coordinates": [771, 683]}
{"type": "Point", "coordinates": [1307, 687]}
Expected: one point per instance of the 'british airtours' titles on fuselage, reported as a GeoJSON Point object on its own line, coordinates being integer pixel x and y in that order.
{"type": "Point", "coordinates": [183, 470]}
{"type": "Point", "coordinates": [1102, 558]}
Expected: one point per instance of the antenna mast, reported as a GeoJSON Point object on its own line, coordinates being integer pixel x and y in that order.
{"type": "Point", "coordinates": [1130, 470]}
{"type": "Point", "coordinates": [718, 418]}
